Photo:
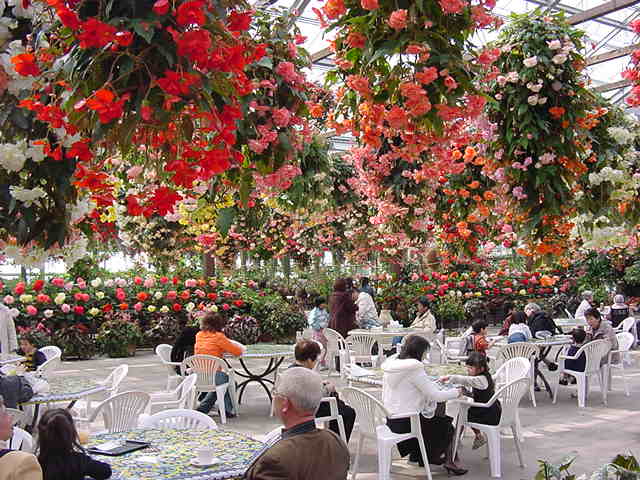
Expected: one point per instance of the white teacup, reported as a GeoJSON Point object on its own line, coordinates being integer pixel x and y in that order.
{"type": "Point", "coordinates": [205, 455]}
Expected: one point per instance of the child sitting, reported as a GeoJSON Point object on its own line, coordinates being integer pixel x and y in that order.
{"type": "Point", "coordinates": [33, 357]}
{"type": "Point", "coordinates": [579, 364]}
{"type": "Point", "coordinates": [318, 321]}
{"type": "Point", "coordinates": [519, 330]}
{"type": "Point", "coordinates": [480, 343]}
{"type": "Point", "coordinates": [482, 388]}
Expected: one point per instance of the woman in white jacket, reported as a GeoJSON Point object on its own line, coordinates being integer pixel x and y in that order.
{"type": "Point", "coordinates": [406, 388]}
{"type": "Point", "coordinates": [366, 315]}
{"type": "Point", "coordinates": [8, 339]}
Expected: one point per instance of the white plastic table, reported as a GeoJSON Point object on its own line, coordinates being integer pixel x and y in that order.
{"type": "Point", "coordinates": [7, 359]}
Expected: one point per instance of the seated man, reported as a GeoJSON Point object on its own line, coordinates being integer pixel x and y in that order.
{"type": "Point", "coordinates": [303, 452]}
{"type": "Point", "coordinates": [15, 465]}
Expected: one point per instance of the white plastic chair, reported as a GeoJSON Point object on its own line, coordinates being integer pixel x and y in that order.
{"type": "Point", "coordinates": [334, 415]}
{"type": "Point", "coordinates": [51, 351]}
{"type": "Point", "coordinates": [509, 396]}
{"type": "Point", "coordinates": [451, 349]}
{"type": "Point", "coordinates": [182, 397]}
{"type": "Point", "coordinates": [510, 371]}
{"type": "Point", "coordinates": [569, 314]}
{"type": "Point", "coordinates": [18, 417]}
{"type": "Point", "coordinates": [372, 420]}
{"type": "Point", "coordinates": [625, 340]}
{"type": "Point", "coordinates": [524, 350]}
{"type": "Point", "coordinates": [120, 412]}
{"type": "Point", "coordinates": [360, 347]}
{"type": "Point", "coordinates": [594, 352]}
{"type": "Point", "coordinates": [180, 419]}
{"type": "Point", "coordinates": [206, 366]}
{"type": "Point", "coordinates": [543, 334]}
{"type": "Point", "coordinates": [335, 348]}
{"type": "Point", "coordinates": [164, 352]}
{"type": "Point", "coordinates": [20, 440]}
{"type": "Point", "coordinates": [49, 367]}
{"type": "Point", "coordinates": [627, 325]}
{"type": "Point", "coordinates": [112, 382]}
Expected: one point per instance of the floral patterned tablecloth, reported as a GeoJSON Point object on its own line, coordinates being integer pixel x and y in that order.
{"type": "Point", "coordinates": [266, 350]}
{"type": "Point", "coordinates": [171, 453]}
{"type": "Point", "coordinates": [63, 388]}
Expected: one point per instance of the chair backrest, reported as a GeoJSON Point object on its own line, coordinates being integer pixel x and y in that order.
{"type": "Point", "coordinates": [515, 350]}
{"type": "Point", "coordinates": [370, 412]}
{"type": "Point", "coordinates": [181, 419]}
{"type": "Point", "coordinates": [164, 352]}
{"type": "Point", "coordinates": [510, 396]}
{"type": "Point", "coordinates": [467, 332]}
{"type": "Point", "coordinates": [625, 340]}
{"type": "Point", "coordinates": [594, 351]}
{"type": "Point", "coordinates": [51, 351]}
{"type": "Point", "coordinates": [187, 389]}
{"type": "Point", "coordinates": [205, 366]}
{"type": "Point", "coordinates": [120, 412]}
{"type": "Point", "coordinates": [452, 345]}
{"type": "Point", "coordinates": [273, 436]}
{"type": "Point", "coordinates": [335, 341]}
{"type": "Point", "coordinates": [361, 344]}
{"type": "Point", "coordinates": [21, 440]}
{"type": "Point", "coordinates": [569, 314]}
{"type": "Point", "coordinates": [628, 323]}
{"type": "Point", "coordinates": [115, 378]}
{"type": "Point", "coordinates": [18, 417]}
{"type": "Point", "coordinates": [49, 367]}
{"type": "Point", "coordinates": [513, 369]}
{"type": "Point", "coordinates": [543, 334]}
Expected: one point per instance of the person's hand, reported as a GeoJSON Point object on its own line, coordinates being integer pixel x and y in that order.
{"type": "Point", "coordinates": [329, 386]}
{"type": "Point", "coordinates": [444, 378]}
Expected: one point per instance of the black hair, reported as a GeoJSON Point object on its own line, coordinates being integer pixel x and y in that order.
{"type": "Point", "coordinates": [57, 441]}
{"type": "Point", "coordinates": [319, 301]}
{"type": "Point", "coordinates": [508, 306]}
{"type": "Point", "coordinates": [306, 350]}
{"type": "Point", "coordinates": [593, 312]}
{"type": "Point", "coordinates": [478, 325]}
{"type": "Point", "coordinates": [578, 335]}
{"type": "Point", "coordinates": [518, 317]}
{"type": "Point", "coordinates": [414, 347]}
{"type": "Point", "coordinates": [479, 360]}
{"type": "Point", "coordinates": [424, 301]}
{"type": "Point", "coordinates": [364, 281]}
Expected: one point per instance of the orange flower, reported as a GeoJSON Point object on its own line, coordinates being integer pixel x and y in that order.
{"type": "Point", "coordinates": [469, 153]}
{"type": "Point", "coordinates": [25, 64]}
{"type": "Point", "coordinates": [473, 185]}
{"type": "Point", "coordinates": [489, 195]}
{"type": "Point", "coordinates": [557, 112]}
{"type": "Point", "coordinates": [464, 193]}
{"type": "Point", "coordinates": [316, 110]}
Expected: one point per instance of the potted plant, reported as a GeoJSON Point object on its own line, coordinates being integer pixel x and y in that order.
{"type": "Point", "coordinates": [119, 336]}
{"type": "Point", "coordinates": [76, 342]}
{"type": "Point", "coordinates": [632, 280]}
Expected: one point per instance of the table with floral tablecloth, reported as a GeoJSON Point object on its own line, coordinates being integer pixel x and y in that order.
{"type": "Point", "coordinates": [434, 370]}
{"type": "Point", "coordinates": [171, 452]}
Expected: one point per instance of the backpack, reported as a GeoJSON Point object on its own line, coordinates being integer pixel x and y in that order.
{"type": "Point", "coordinates": [15, 389]}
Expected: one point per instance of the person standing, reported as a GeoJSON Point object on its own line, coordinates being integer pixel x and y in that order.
{"type": "Point", "coordinates": [367, 315]}
{"type": "Point", "coordinates": [586, 304]}
{"type": "Point", "coordinates": [8, 337]}
{"type": "Point", "coordinates": [303, 452]}
{"type": "Point", "coordinates": [365, 286]}
{"type": "Point", "coordinates": [342, 308]}
{"type": "Point", "coordinates": [318, 321]}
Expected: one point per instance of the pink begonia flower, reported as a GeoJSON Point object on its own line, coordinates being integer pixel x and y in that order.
{"type": "Point", "coordinates": [121, 282]}
{"type": "Point", "coordinates": [519, 193]}
{"type": "Point", "coordinates": [31, 310]}
{"type": "Point", "coordinates": [8, 300]}
{"type": "Point", "coordinates": [507, 228]}
{"type": "Point", "coordinates": [190, 283]}
{"type": "Point", "coordinates": [68, 286]}
{"type": "Point", "coordinates": [257, 146]}
{"type": "Point", "coordinates": [200, 293]}
{"type": "Point", "coordinates": [213, 283]}
{"type": "Point", "coordinates": [398, 19]}
{"type": "Point", "coordinates": [287, 70]}
{"type": "Point", "coordinates": [65, 308]}
{"type": "Point", "coordinates": [138, 306]}
{"type": "Point", "coordinates": [149, 282]}
{"type": "Point", "coordinates": [414, 276]}
{"type": "Point", "coordinates": [134, 171]}
{"type": "Point", "coordinates": [58, 282]}
{"type": "Point", "coordinates": [281, 117]}
{"type": "Point", "coordinates": [369, 4]}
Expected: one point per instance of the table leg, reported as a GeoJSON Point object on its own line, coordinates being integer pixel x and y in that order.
{"type": "Point", "coordinates": [36, 413]}
{"type": "Point", "coordinates": [538, 373]}
{"type": "Point", "coordinates": [259, 378]}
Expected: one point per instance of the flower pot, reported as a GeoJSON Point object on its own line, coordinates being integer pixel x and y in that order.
{"type": "Point", "coordinates": [122, 351]}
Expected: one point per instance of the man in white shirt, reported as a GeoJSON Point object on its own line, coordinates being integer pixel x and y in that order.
{"type": "Point", "coordinates": [587, 300]}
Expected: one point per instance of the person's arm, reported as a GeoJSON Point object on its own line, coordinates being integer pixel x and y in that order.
{"type": "Point", "coordinates": [96, 469]}
{"type": "Point", "coordinates": [268, 467]}
{"type": "Point", "coordinates": [234, 348]}
{"type": "Point", "coordinates": [431, 391]}
{"type": "Point", "coordinates": [478, 381]}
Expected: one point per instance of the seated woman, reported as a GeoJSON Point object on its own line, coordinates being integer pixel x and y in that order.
{"type": "Point", "coordinates": [424, 320]}
{"type": "Point", "coordinates": [518, 329]}
{"type": "Point", "coordinates": [598, 329]}
{"type": "Point", "coordinates": [482, 388]}
{"type": "Point", "coordinates": [210, 340]}
{"type": "Point", "coordinates": [306, 355]}
{"type": "Point", "coordinates": [407, 388]}
{"type": "Point", "coordinates": [619, 311]}
{"type": "Point", "coordinates": [33, 357]}
{"type": "Point", "coordinates": [59, 451]}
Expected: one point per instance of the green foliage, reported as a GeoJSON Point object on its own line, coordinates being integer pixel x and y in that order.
{"type": "Point", "coordinates": [278, 320]}
{"type": "Point", "coordinates": [622, 467]}
{"type": "Point", "coordinates": [449, 311]}
{"type": "Point", "coordinates": [244, 329]}
{"type": "Point", "coordinates": [632, 274]}
{"type": "Point", "coordinates": [118, 335]}
{"type": "Point", "coordinates": [75, 342]}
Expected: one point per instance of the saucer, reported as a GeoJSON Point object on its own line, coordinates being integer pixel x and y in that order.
{"type": "Point", "coordinates": [195, 462]}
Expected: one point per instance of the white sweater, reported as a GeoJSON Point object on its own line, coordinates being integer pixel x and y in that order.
{"type": "Point", "coordinates": [8, 339]}
{"type": "Point", "coordinates": [520, 328]}
{"type": "Point", "coordinates": [406, 388]}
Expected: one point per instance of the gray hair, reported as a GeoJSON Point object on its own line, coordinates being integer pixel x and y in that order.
{"type": "Point", "coordinates": [303, 387]}
{"type": "Point", "coordinates": [532, 307]}
{"type": "Point", "coordinates": [587, 294]}
{"type": "Point", "coordinates": [618, 299]}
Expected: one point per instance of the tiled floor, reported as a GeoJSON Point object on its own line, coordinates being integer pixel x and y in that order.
{"type": "Point", "coordinates": [596, 433]}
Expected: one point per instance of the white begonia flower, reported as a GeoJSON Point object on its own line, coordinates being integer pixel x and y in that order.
{"type": "Point", "coordinates": [151, 308]}
{"type": "Point", "coordinates": [620, 135]}
{"type": "Point", "coordinates": [164, 309]}
{"type": "Point", "coordinates": [532, 100]}
{"type": "Point", "coordinates": [100, 295]}
{"type": "Point", "coordinates": [190, 306]}
{"type": "Point", "coordinates": [59, 299]}
{"type": "Point", "coordinates": [27, 195]}
{"type": "Point", "coordinates": [48, 313]}
{"type": "Point", "coordinates": [26, 298]}
{"type": "Point", "coordinates": [513, 77]}
{"type": "Point", "coordinates": [109, 283]}
{"type": "Point", "coordinates": [498, 96]}
{"type": "Point", "coordinates": [534, 87]}
{"type": "Point", "coordinates": [554, 44]}
{"type": "Point", "coordinates": [559, 59]}
{"type": "Point", "coordinates": [502, 80]}
{"type": "Point", "coordinates": [96, 282]}
{"type": "Point", "coordinates": [35, 151]}
{"type": "Point", "coordinates": [157, 295]}
{"type": "Point", "coordinates": [93, 311]}
{"type": "Point", "coordinates": [12, 156]}
{"type": "Point", "coordinates": [530, 62]}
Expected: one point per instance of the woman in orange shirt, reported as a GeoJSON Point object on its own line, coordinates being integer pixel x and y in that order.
{"type": "Point", "coordinates": [210, 340]}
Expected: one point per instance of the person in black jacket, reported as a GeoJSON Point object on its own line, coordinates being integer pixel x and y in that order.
{"type": "Point", "coordinates": [184, 345]}
{"type": "Point", "coordinates": [539, 321]}
{"type": "Point", "coordinates": [59, 452]}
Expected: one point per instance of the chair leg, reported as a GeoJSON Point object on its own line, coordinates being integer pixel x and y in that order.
{"type": "Point", "coordinates": [342, 430]}
{"type": "Point", "coordinates": [581, 382]}
{"type": "Point", "coordinates": [493, 444]}
{"type": "Point", "coordinates": [555, 390]}
{"type": "Point", "coordinates": [520, 435]}
{"type": "Point", "coordinates": [518, 450]}
{"type": "Point", "coordinates": [356, 461]}
{"type": "Point", "coordinates": [384, 459]}
{"type": "Point", "coordinates": [625, 381]}
{"type": "Point", "coordinates": [602, 380]}
{"type": "Point", "coordinates": [220, 393]}
{"type": "Point", "coordinates": [425, 458]}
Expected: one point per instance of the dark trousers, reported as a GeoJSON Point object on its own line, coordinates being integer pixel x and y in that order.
{"type": "Point", "coordinates": [437, 433]}
{"type": "Point", "coordinates": [348, 417]}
